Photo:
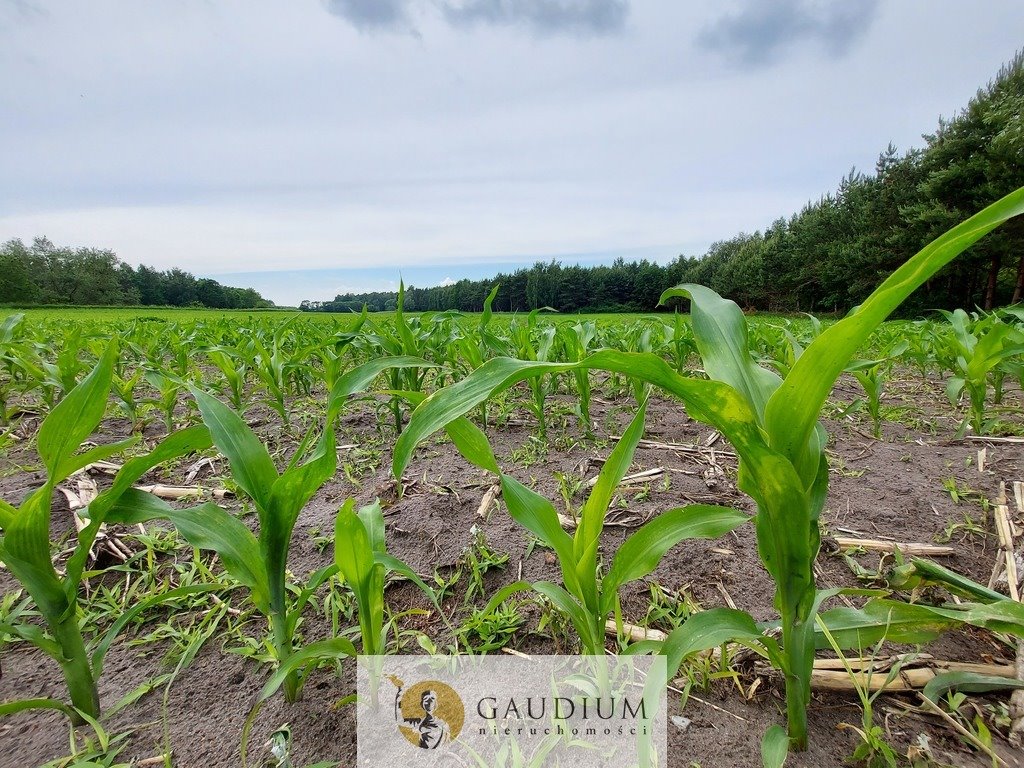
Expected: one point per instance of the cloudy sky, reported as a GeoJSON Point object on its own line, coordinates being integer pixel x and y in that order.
{"type": "Point", "coordinates": [311, 147]}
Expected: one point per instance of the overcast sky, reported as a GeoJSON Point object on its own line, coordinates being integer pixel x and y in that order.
{"type": "Point", "coordinates": [316, 146]}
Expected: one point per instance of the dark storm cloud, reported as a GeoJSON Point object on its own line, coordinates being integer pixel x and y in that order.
{"type": "Point", "coordinates": [545, 17]}
{"type": "Point", "coordinates": [373, 14]}
{"type": "Point", "coordinates": [760, 33]}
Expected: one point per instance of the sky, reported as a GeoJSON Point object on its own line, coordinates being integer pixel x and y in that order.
{"type": "Point", "coordinates": [316, 147]}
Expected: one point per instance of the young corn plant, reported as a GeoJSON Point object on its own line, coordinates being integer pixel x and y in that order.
{"type": "Point", "coordinates": [588, 595]}
{"type": "Point", "coordinates": [533, 343]}
{"type": "Point", "coordinates": [408, 339]}
{"type": "Point", "coordinates": [577, 341]}
{"type": "Point", "coordinates": [25, 538]}
{"type": "Point", "coordinates": [259, 562]}
{"type": "Point", "coordinates": [771, 422]}
{"type": "Point", "coordinates": [362, 561]}
{"type": "Point", "coordinates": [979, 352]}
{"type": "Point", "coordinates": [481, 344]}
{"type": "Point", "coordinates": [678, 338]}
{"type": "Point", "coordinates": [871, 375]}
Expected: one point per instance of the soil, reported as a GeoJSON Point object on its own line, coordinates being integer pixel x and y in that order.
{"type": "Point", "coordinates": [891, 488]}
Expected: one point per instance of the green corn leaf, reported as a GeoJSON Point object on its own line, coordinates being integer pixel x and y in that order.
{"type": "Point", "coordinates": [640, 554]}
{"type": "Point", "coordinates": [971, 682]}
{"type": "Point", "coordinates": [792, 411]}
{"type": "Point", "coordinates": [251, 466]}
{"type": "Point", "coordinates": [862, 628]}
{"type": "Point", "coordinates": [721, 334]}
{"type": "Point", "coordinates": [472, 443]}
{"type": "Point", "coordinates": [537, 515]}
{"type": "Point", "coordinates": [404, 330]}
{"type": "Point", "coordinates": [33, 635]}
{"type": "Point", "coordinates": [208, 527]}
{"type": "Point", "coordinates": [709, 629]}
{"type": "Point", "coordinates": [290, 492]}
{"type": "Point", "coordinates": [1005, 615]}
{"type": "Point", "coordinates": [469, 440]}
{"type": "Point", "coordinates": [355, 557]}
{"type": "Point", "coordinates": [577, 613]}
{"type": "Point", "coordinates": [24, 705]}
{"type": "Point", "coordinates": [325, 650]}
{"type": "Point", "coordinates": [7, 513]}
{"type": "Point", "coordinates": [712, 402]}
{"type": "Point", "coordinates": [485, 318]}
{"type": "Point", "coordinates": [588, 533]}
{"type": "Point", "coordinates": [951, 580]}
{"type": "Point", "coordinates": [372, 517]}
{"type": "Point", "coordinates": [353, 551]}
{"type": "Point", "coordinates": [359, 378]}
{"type": "Point", "coordinates": [74, 418]}
{"type": "Point", "coordinates": [98, 453]}
{"type": "Point", "coordinates": [393, 564]}
{"type": "Point", "coordinates": [25, 550]}
{"type": "Point", "coordinates": [774, 747]}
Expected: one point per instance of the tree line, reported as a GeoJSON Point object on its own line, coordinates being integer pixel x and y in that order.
{"type": "Point", "coordinates": [42, 273]}
{"type": "Point", "coordinates": [825, 258]}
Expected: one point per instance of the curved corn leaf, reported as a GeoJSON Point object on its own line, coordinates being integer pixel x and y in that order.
{"type": "Point", "coordinates": [23, 705]}
{"type": "Point", "coordinates": [581, 619]}
{"type": "Point", "coordinates": [774, 747]}
{"type": "Point", "coordinates": [323, 650]}
{"type": "Point", "coordinates": [174, 446]}
{"type": "Point", "coordinates": [394, 565]}
{"type": "Point", "coordinates": [861, 628]}
{"type": "Point", "coordinates": [640, 554]}
{"type": "Point", "coordinates": [75, 418]}
{"type": "Point", "coordinates": [971, 682]}
{"type": "Point", "coordinates": [537, 515]}
{"type": "Point", "coordinates": [1005, 615]}
{"type": "Point", "coordinates": [469, 440]}
{"type": "Point", "coordinates": [208, 527]}
{"type": "Point", "coordinates": [587, 538]}
{"type": "Point", "coordinates": [251, 466]}
{"type": "Point", "coordinates": [33, 635]}
{"type": "Point", "coordinates": [720, 330]}
{"type": "Point", "coordinates": [709, 629]}
{"type": "Point", "coordinates": [359, 378]}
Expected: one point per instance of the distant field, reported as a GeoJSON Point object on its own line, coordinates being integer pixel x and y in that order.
{"type": "Point", "coordinates": [341, 320]}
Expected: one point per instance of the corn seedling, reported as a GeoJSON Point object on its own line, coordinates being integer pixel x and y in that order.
{"type": "Point", "coordinates": [25, 542]}
{"type": "Point", "coordinates": [363, 562]}
{"type": "Point", "coordinates": [871, 374]}
{"type": "Point", "coordinates": [979, 351]}
{"type": "Point", "coordinates": [259, 562]}
{"type": "Point", "coordinates": [588, 596]}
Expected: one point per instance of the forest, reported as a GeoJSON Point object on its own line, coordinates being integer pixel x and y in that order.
{"type": "Point", "coordinates": [825, 258]}
{"type": "Point", "coordinates": [43, 273]}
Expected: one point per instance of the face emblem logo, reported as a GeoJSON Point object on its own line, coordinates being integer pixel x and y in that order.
{"type": "Point", "coordinates": [429, 714]}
